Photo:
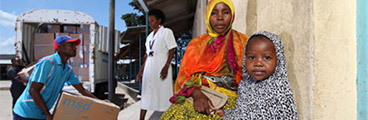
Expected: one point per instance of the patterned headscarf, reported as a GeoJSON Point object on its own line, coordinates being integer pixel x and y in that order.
{"type": "Point", "coordinates": [267, 99]}
{"type": "Point", "coordinates": [219, 38]}
{"type": "Point", "coordinates": [209, 9]}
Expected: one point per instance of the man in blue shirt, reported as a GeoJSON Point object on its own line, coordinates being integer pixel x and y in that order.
{"type": "Point", "coordinates": [47, 80]}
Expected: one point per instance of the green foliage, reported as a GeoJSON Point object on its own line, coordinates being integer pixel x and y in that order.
{"type": "Point", "coordinates": [134, 5]}
{"type": "Point", "coordinates": [133, 19]}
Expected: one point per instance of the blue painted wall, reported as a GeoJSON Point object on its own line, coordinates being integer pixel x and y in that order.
{"type": "Point", "coordinates": [362, 57]}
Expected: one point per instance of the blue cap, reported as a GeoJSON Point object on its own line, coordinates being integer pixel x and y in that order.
{"type": "Point", "coordinates": [63, 38]}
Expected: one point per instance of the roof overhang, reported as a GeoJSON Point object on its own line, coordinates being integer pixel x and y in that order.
{"type": "Point", "coordinates": [131, 33]}
{"type": "Point", "coordinates": [179, 13]}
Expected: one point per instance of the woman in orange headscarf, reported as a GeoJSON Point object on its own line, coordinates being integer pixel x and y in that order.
{"type": "Point", "coordinates": [217, 54]}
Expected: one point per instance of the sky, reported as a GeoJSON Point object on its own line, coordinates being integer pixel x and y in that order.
{"type": "Point", "coordinates": [98, 9]}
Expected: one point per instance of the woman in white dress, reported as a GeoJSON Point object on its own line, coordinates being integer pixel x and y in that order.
{"type": "Point", "coordinates": [156, 71]}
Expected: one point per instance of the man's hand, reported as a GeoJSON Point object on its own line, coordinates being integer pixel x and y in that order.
{"type": "Point", "coordinates": [49, 117]}
{"type": "Point", "coordinates": [201, 102]}
{"type": "Point", "coordinates": [164, 71]}
{"type": "Point", "coordinates": [83, 91]}
{"type": "Point", "coordinates": [19, 79]}
{"type": "Point", "coordinates": [108, 101]}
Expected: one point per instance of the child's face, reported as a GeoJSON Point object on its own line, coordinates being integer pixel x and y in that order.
{"type": "Point", "coordinates": [220, 17]}
{"type": "Point", "coordinates": [260, 58]}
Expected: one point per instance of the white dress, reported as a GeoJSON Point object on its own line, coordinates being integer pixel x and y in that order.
{"type": "Point", "coordinates": [155, 91]}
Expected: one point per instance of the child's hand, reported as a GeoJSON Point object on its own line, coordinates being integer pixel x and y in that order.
{"type": "Point", "coordinates": [218, 112]}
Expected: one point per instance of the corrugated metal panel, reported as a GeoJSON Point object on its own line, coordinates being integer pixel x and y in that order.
{"type": "Point", "coordinates": [103, 41]}
{"type": "Point", "coordinates": [24, 35]}
{"type": "Point", "coordinates": [117, 42]}
{"type": "Point", "coordinates": [101, 67]}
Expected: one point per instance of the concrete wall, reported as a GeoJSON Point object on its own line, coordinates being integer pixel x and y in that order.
{"type": "Point", "coordinates": [320, 47]}
{"type": "Point", "coordinates": [334, 86]}
{"type": "Point", "coordinates": [292, 20]}
{"type": "Point", "coordinates": [199, 25]}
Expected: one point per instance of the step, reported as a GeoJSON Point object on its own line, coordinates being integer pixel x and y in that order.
{"type": "Point", "coordinates": [131, 92]}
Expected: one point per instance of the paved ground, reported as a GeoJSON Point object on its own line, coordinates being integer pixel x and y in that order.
{"type": "Point", "coordinates": [5, 101]}
{"type": "Point", "coordinates": [129, 113]}
{"type": "Point", "coordinates": [133, 111]}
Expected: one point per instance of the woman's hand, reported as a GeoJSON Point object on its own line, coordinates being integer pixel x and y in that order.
{"type": "Point", "coordinates": [201, 102]}
{"type": "Point", "coordinates": [164, 71]}
{"type": "Point", "coordinates": [139, 77]}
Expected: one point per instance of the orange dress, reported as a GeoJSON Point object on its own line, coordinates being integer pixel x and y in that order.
{"type": "Point", "coordinates": [197, 60]}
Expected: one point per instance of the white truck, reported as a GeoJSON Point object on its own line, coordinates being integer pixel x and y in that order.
{"type": "Point", "coordinates": [36, 30]}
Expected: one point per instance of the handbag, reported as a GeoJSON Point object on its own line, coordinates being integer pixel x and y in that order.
{"type": "Point", "coordinates": [217, 98]}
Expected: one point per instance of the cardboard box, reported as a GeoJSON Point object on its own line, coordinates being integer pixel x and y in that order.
{"type": "Point", "coordinates": [75, 35]}
{"type": "Point", "coordinates": [78, 30]}
{"type": "Point", "coordinates": [86, 61]}
{"type": "Point", "coordinates": [76, 62]}
{"type": "Point", "coordinates": [77, 107]}
{"type": "Point", "coordinates": [59, 34]}
{"type": "Point", "coordinates": [25, 73]}
{"type": "Point", "coordinates": [76, 72]}
{"type": "Point", "coordinates": [70, 29]}
{"type": "Point", "coordinates": [86, 38]}
{"type": "Point", "coordinates": [84, 29]}
{"type": "Point", "coordinates": [53, 28]}
{"type": "Point", "coordinates": [80, 51]}
{"type": "Point", "coordinates": [83, 74]}
{"type": "Point", "coordinates": [42, 50]}
{"type": "Point", "coordinates": [44, 38]}
{"type": "Point", "coordinates": [86, 52]}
